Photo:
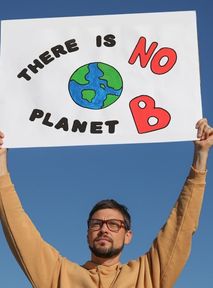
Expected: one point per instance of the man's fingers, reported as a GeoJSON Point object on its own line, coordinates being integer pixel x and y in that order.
{"type": "Point", "coordinates": [1, 138]}
{"type": "Point", "coordinates": [204, 134]}
{"type": "Point", "coordinates": [202, 128]}
{"type": "Point", "coordinates": [1, 134]}
{"type": "Point", "coordinates": [200, 122]}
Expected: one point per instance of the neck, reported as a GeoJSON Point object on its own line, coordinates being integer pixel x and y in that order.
{"type": "Point", "coordinates": [105, 261]}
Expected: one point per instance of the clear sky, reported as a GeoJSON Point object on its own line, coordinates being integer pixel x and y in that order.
{"type": "Point", "coordinates": [58, 186]}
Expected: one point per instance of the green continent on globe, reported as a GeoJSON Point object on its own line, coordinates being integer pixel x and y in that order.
{"type": "Point", "coordinates": [110, 99]}
{"type": "Point", "coordinates": [114, 79]}
{"type": "Point", "coordinates": [79, 75]}
{"type": "Point", "coordinates": [88, 95]}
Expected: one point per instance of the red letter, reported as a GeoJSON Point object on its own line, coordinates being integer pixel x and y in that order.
{"type": "Point", "coordinates": [140, 51]}
{"type": "Point", "coordinates": [143, 114]}
{"type": "Point", "coordinates": [171, 56]}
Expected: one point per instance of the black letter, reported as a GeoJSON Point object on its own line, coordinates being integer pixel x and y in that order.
{"type": "Point", "coordinates": [46, 120]}
{"type": "Point", "coordinates": [57, 50]}
{"type": "Point", "coordinates": [71, 45]}
{"type": "Point", "coordinates": [24, 74]}
{"type": "Point", "coordinates": [111, 125]}
{"type": "Point", "coordinates": [110, 40]}
{"type": "Point", "coordinates": [98, 41]}
{"type": "Point", "coordinates": [96, 127]}
{"type": "Point", "coordinates": [36, 114]}
{"type": "Point", "coordinates": [77, 125]}
{"type": "Point", "coordinates": [33, 68]}
{"type": "Point", "coordinates": [62, 123]}
{"type": "Point", "coordinates": [46, 58]}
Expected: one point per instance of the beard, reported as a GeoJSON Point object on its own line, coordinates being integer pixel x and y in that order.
{"type": "Point", "coordinates": [104, 252]}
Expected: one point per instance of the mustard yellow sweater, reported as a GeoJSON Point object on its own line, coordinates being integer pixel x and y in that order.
{"type": "Point", "coordinates": [158, 268]}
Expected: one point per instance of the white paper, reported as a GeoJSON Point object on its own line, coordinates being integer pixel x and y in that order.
{"type": "Point", "coordinates": [92, 61]}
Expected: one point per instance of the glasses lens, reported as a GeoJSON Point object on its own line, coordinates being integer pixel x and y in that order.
{"type": "Point", "coordinates": [114, 225]}
{"type": "Point", "coordinates": [95, 224]}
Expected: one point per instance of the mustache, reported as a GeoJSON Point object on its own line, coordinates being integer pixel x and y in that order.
{"type": "Point", "coordinates": [102, 237]}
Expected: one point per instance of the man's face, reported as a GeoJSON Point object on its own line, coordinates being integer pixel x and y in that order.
{"type": "Point", "coordinates": [105, 243]}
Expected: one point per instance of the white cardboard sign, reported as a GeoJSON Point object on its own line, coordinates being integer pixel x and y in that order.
{"type": "Point", "coordinates": [99, 79]}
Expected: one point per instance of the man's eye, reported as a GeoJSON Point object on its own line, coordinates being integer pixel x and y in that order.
{"type": "Point", "coordinates": [95, 224]}
{"type": "Point", "coordinates": [113, 224]}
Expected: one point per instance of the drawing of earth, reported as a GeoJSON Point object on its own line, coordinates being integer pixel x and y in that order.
{"type": "Point", "coordinates": [95, 85]}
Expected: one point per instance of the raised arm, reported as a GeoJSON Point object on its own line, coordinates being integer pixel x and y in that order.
{"type": "Point", "coordinates": [40, 262]}
{"type": "Point", "coordinates": [172, 246]}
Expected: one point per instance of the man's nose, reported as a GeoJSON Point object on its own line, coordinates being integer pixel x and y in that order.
{"type": "Point", "coordinates": [104, 228]}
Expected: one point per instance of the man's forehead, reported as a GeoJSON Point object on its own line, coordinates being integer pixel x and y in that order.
{"type": "Point", "coordinates": [107, 213]}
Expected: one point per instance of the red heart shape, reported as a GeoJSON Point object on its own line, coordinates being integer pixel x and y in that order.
{"type": "Point", "coordinates": [142, 114]}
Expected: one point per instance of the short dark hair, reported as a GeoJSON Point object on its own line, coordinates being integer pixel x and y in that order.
{"type": "Point", "coordinates": [112, 204]}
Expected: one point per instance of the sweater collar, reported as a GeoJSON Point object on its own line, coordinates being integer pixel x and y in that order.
{"type": "Point", "coordinates": [89, 265]}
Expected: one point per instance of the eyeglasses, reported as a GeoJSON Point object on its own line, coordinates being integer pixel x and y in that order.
{"type": "Point", "coordinates": [113, 225]}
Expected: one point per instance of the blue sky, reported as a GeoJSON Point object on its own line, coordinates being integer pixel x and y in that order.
{"type": "Point", "coordinates": [145, 177]}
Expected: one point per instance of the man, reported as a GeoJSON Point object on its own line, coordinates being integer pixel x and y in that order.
{"type": "Point", "coordinates": [109, 229]}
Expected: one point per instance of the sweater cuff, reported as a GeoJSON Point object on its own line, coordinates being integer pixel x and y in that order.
{"type": "Point", "coordinates": [197, 175]}
{"type": "Point", "coordinates": [5, 181]}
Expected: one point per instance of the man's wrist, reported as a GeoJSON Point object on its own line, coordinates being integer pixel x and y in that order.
{"type": "Point", "coordinates": [200, 159]}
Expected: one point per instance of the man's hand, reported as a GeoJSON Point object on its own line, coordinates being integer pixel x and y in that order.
{"type": "Point", "coordinates": [204, 134]}
{"type": "Point", "coordinates": [203, 144]}
{"type": "Point", "coordinates": [1, 138]}
{"type": "Point", "coordinates": [3, 157]}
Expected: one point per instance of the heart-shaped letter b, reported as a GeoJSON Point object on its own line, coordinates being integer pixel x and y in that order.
{"type": "Point", "coordinates": [147, 117]}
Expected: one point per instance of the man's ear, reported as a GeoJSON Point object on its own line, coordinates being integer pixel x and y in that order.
{"type": "Point", "coordinates": [128, 237]}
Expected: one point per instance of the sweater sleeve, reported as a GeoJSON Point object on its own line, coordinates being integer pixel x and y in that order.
{"type": "Point", "coordinates": [172, 246]}
{"type": "Point", "coordinates": [39, 260]}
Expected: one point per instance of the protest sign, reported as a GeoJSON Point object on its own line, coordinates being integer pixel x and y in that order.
{"type": "Point", "coordinates": [113, 79]}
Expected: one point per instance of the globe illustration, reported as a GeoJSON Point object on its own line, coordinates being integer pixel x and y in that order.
{"type": "Point", "coordinates": [95, 85]}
